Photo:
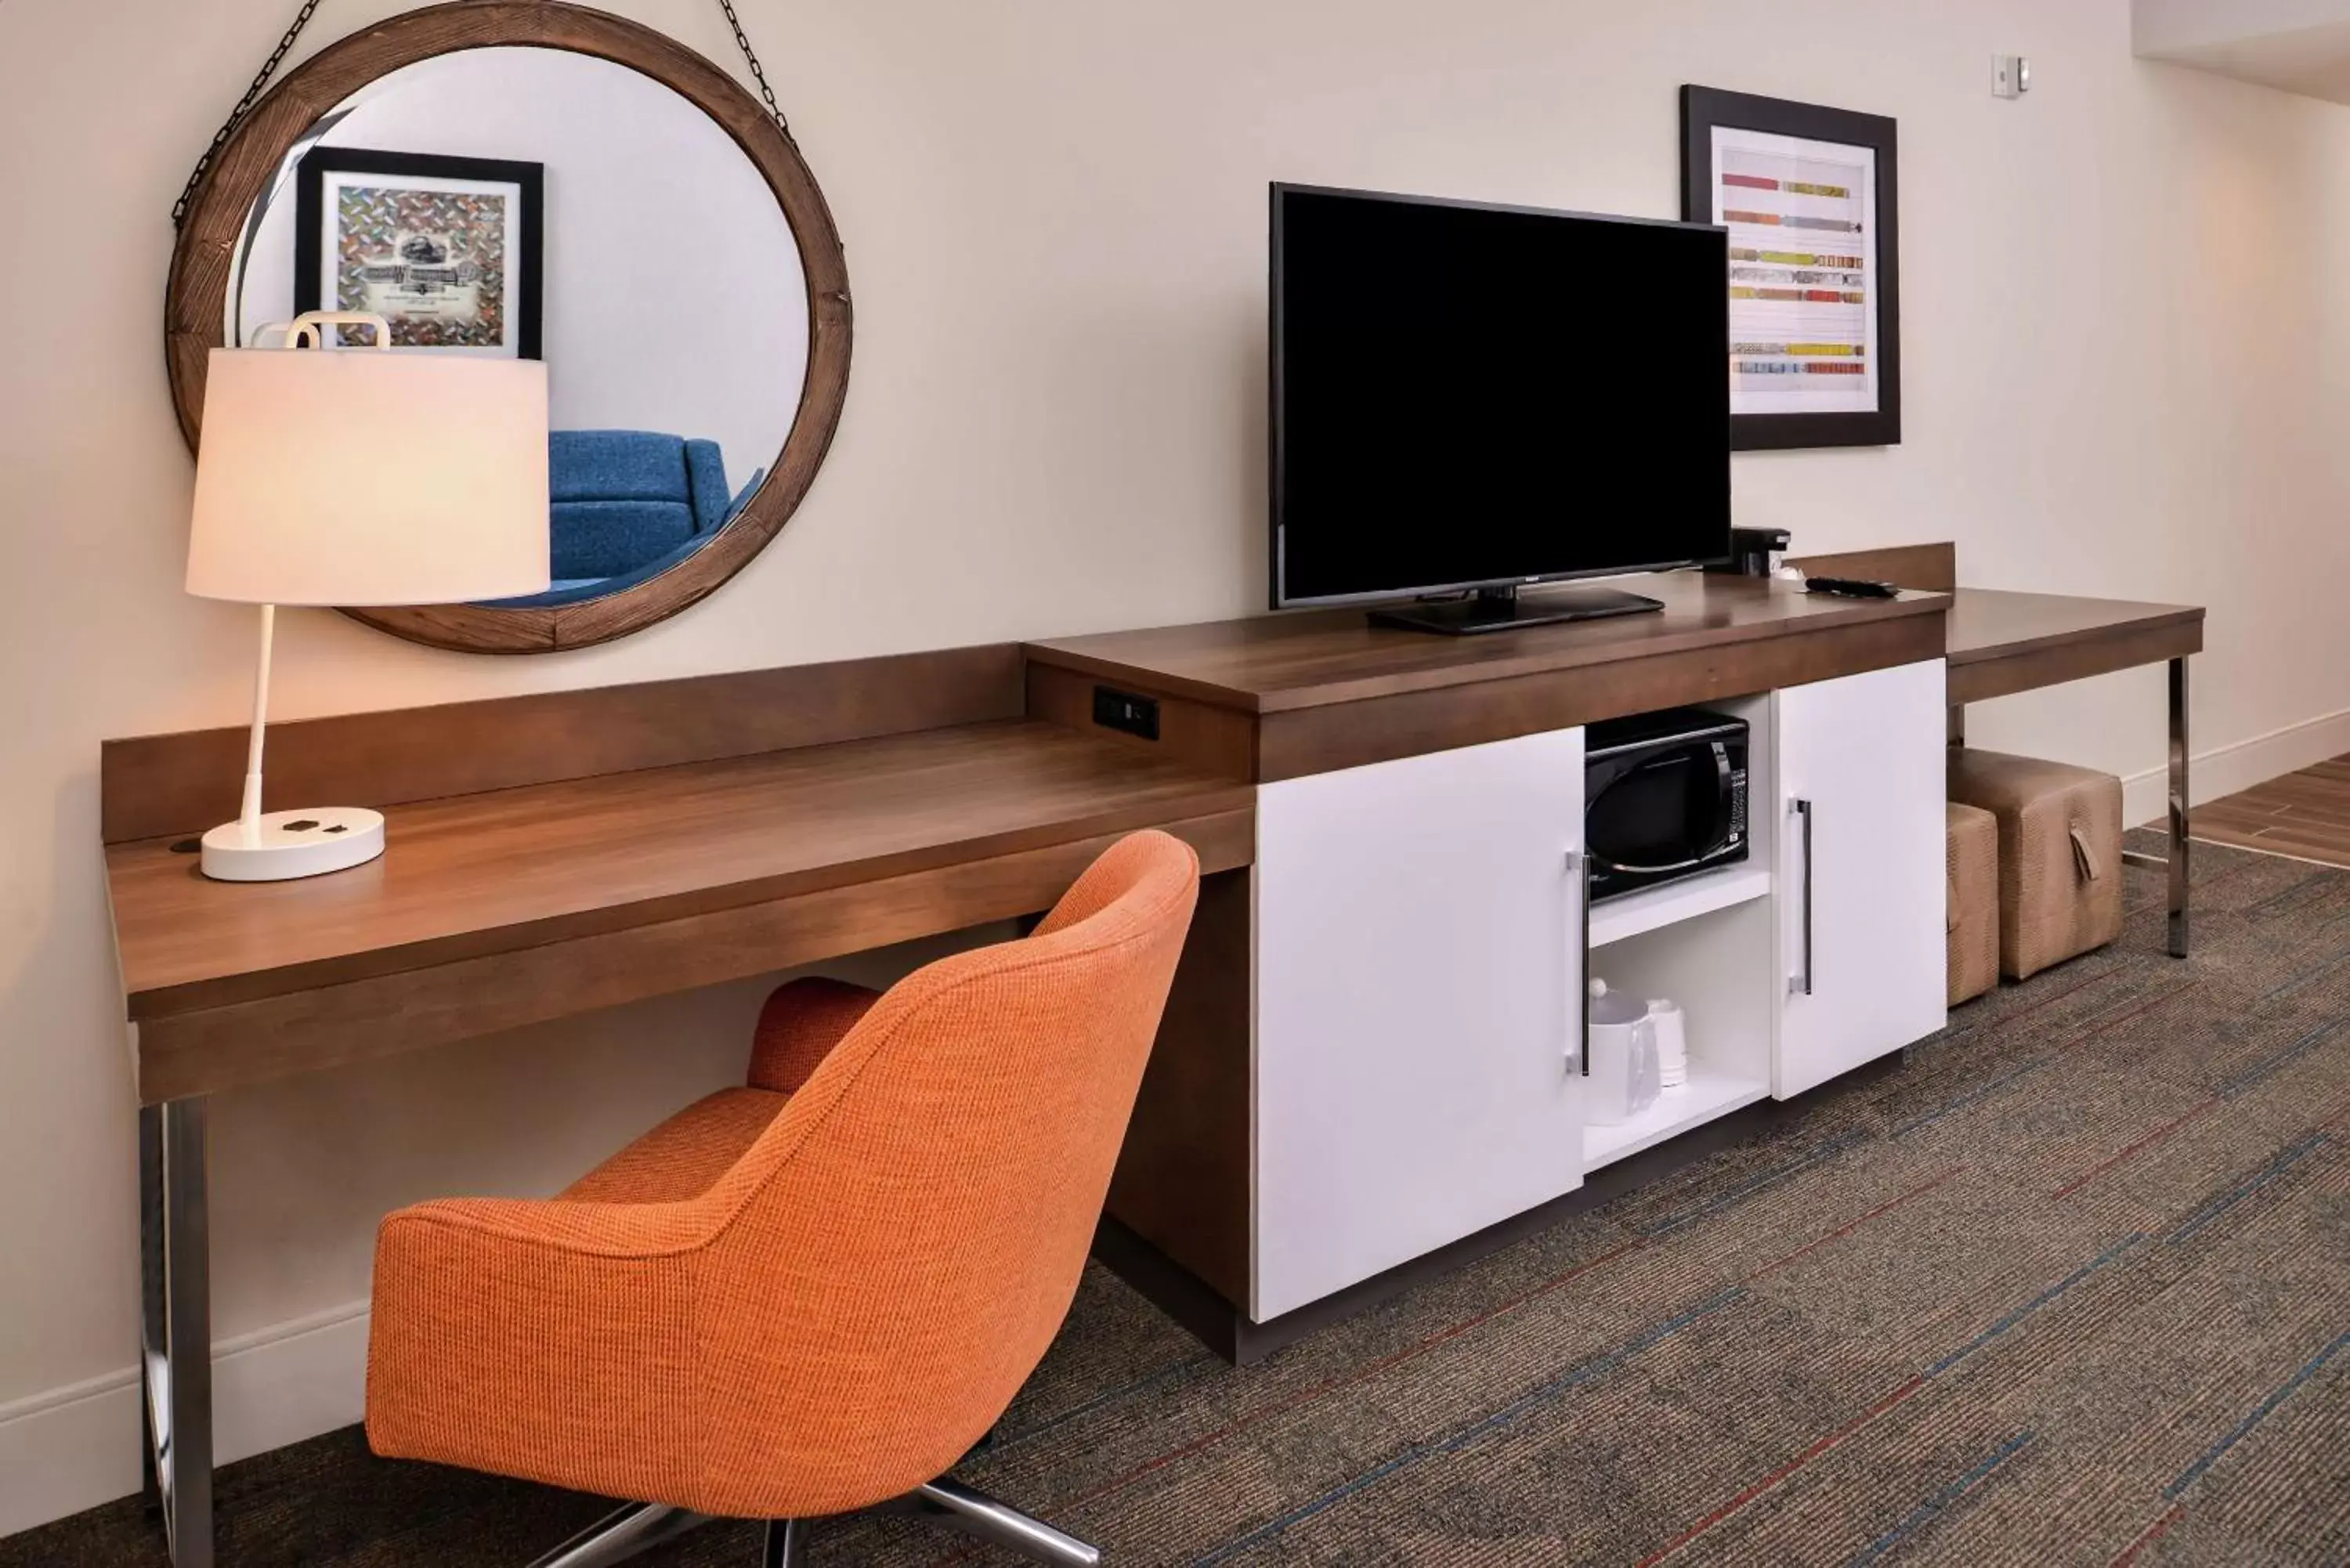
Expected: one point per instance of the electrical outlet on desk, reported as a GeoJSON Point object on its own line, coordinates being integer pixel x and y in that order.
{"type": "Point", "coordinates": [1126, 712]}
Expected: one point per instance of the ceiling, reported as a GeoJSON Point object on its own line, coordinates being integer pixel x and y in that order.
{"type": "Point", "coordinates": [2300, 46]}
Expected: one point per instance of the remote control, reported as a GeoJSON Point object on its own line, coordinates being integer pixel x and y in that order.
{"type": "Point", "coordinates": [1852, 587]}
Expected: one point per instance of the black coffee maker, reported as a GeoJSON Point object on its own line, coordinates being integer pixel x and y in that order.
{"type": "Point", "coordinates": [1750, 552]}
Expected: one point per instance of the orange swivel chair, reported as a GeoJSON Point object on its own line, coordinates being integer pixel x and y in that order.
{"type": "Point", "coordinates": [816, 1294]}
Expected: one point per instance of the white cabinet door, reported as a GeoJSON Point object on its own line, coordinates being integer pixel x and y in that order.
{"type": "Point", "coordinates": [1418, 963]}
{"type": "Point", "coordinates": [1861, 914]}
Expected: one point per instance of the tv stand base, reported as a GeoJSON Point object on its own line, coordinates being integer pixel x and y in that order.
{"type": "Point", "coordinates": [1500, 609]}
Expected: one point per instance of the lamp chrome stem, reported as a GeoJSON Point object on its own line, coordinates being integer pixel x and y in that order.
{"type": "Point", "coordinates": [249, 814]}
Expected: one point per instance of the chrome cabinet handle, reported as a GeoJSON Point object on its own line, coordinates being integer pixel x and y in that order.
{"type": "Point", "coordinates": [1802, 985]}
{"type": "Point", "coordinates": [1580, 863]}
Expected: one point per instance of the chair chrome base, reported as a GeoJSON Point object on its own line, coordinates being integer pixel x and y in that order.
{"type": "Point", "coordinates": [630, 1530]}
{"type": "Point", "coordinates": [976, 1513]}
{"type": "Point", "coordinates": [621, 1534]}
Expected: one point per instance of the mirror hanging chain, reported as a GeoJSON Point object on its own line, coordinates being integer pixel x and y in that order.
{"type": "Point", "coordinates": [302, 18]}
{"type": "Point", "coordinates": [758, 74]}
{"type": "Point", "coordinates": [243, 107]}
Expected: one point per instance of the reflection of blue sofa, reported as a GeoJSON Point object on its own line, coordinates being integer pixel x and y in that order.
{"type": "Point", "coordinates": [629, 505]}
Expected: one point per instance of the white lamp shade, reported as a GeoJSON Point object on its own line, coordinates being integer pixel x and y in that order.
{"type": "Point", "coordinates": [361, 477]}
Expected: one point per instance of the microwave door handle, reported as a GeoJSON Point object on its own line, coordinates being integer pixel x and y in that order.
{"type": "Point", "coordinates": [1689, 865]}
{"type": "Point", "coordinates": [1723, 835]}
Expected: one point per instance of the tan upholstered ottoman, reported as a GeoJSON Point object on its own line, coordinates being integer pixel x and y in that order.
{"type": "Point", "coordinates": [1971, 855]}
{"type": "Point", "coordinates": [2060, 851]}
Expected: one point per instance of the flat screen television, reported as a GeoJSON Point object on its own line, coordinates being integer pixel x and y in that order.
{"type": "Point", "coordinates": [1468, 398]}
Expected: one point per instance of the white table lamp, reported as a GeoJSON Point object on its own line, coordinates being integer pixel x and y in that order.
{"type": "Point", "coordinates": [353, 477]}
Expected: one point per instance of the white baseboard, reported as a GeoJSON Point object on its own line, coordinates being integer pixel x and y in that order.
{"type": "Point", "coordinates": [2227, 769]}
{"type": "Point", "coordinates": [70, 1449]}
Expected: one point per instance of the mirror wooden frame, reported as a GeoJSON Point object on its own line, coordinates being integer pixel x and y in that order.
{"type": "Point", "coordinates": [204, 260]}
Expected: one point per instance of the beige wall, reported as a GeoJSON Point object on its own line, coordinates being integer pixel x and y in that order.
{"type": "Point", "coordinates": [2124, 374]}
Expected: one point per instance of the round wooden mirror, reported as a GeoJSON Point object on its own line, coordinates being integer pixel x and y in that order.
{"type": "Point", "coordinates": [531, 178]}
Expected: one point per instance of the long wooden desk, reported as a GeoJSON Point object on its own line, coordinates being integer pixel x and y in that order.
{"type": "Point", "coordinates": [2002, 642]}
{"type": "Point", "coordinates": [554, 853]}
{"type": "Point", "coordinates": [524, 904]}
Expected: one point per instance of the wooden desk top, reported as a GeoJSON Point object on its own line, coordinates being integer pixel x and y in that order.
{"type": "Point", "coordinates": [1282, 663]}
{"type": "Point", "coordinates": [492, 909]}
{"type": "Point", "coordinates": [2002, 642]}
{"type": "Point", "coordinates": [1995, 623]}
{"type": "Point", "coordinates": [515, 868]}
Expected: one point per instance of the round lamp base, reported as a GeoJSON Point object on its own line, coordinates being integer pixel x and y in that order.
{"type": "Point", "coordinates": [288, 843]}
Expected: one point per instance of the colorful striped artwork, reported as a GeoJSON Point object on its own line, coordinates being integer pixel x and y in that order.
{"type": "Point", "coordinates": [1786, 367]}
{"type": "Point", "coordinates": [1794, 275]}
{"type": "Point", "coordinates": [1792, 258]}
{"type": "Point", "coordinates": [1802, 322]}
{"type": "Point", "coordinates": [1803, 350]}
{"type": "Point", "coordinates": [1793, 221]}
{"type": "Point", "coordinates": [1808, 296]}
{"type": "Point", "coordinates": [1793, 187]}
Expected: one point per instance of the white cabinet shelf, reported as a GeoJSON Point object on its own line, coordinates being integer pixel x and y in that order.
{"type": "Point", "coordinates": [1705, 1096]}
{"type": "Point", "coordinates": [1635, 914]}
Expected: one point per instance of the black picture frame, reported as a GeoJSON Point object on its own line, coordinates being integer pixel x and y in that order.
{"type": "Point", "coordinates": [1703, 108]}
{"type": "Point", "coordinates": [528, 265]}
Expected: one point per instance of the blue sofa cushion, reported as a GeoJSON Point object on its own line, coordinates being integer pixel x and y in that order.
{"type": "Point", "coordinates": [624, 500]}
{"type": "Point", "coordinates": [604, 538]}
{"type": "Point", "coordinates": [617, 465]}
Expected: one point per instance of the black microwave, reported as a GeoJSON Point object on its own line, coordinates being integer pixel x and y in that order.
{"type": "Point", "coordinates": [1664, 797]}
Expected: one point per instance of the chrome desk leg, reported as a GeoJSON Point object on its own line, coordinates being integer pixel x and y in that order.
{"type": "Point", "coordinates": [2174, 865]}
{"type": "Point", "coordinates": [2178, 808]}
{"type": "Point", "coordinates": [175, 1350]}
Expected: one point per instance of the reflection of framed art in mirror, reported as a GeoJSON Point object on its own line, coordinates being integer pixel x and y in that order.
{"type": "Point", "coordinates": [447, 250]}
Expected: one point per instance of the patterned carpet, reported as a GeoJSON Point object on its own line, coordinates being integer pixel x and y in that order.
{"type": "Point", "coordinates": [2070, 1286]}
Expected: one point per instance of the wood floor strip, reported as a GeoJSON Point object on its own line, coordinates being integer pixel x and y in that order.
{"type": "Point", "coordinates": [2304, 816]}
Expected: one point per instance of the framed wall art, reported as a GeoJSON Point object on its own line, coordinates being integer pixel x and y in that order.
{"type": "Point", "coordinates": [446, 249]}
{"type": "Point", "coordinates": [1808, 196]}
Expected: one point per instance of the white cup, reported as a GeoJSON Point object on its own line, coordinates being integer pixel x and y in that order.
{"type": "Point", "coordinates": [1623, 1073]}
{"type": "Point", "coordinates": [1672, 1042]}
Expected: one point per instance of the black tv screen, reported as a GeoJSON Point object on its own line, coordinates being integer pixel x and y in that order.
{"type": "Point", "coordinates": [1470, 396]}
